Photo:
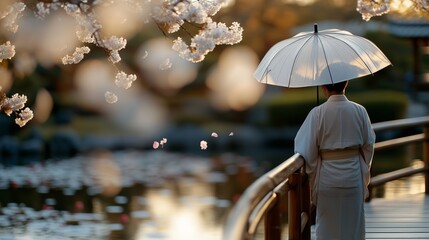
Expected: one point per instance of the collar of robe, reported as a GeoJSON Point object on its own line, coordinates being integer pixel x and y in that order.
{"type": "Point", "coordinates": [338, 97]}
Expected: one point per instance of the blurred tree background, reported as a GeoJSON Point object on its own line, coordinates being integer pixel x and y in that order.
{"type": "Point", "coordinates": [192, 100]}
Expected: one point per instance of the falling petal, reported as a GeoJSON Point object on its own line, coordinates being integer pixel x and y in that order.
{"type": "Point", "coordinates": [155, 145]}
{"type": "Point", "coordinates": [231, 134]}
{"type": "Point", "coordinates": [163, 141]}
{"type": "Point", "coordinates": [214, 135]}
{"type": "Point", "coordinates": [203, 145]}
{"type": "Point", "coordinates": [145, 55]}
{"type": "Point", "coordinates": [110, 97]}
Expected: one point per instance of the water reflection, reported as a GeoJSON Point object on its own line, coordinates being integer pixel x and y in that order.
{"type": "Point", "coordinates": [394, 159]}
{"type": "Point", "coordinates": [134, 195]}
{"type": "Point", "coordinates": [404, 186]}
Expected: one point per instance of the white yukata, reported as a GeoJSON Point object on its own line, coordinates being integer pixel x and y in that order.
{"type": "Point", "coordinates": [338, 179]}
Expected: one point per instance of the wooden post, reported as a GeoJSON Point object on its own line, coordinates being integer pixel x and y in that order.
{"type": "Point", "coordinates": [295, 206]}
{"type": "Point", "coordinates": [426, 157]}
{"type": "Point", "coordinates": [273, 224]}
{"type": "Point", "coordinates": [306, 206]}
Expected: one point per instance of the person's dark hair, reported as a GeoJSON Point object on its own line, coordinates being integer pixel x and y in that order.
{"type": "Point", "coordinates": [336, 87]}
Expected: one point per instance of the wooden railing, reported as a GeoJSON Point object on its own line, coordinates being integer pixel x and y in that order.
{"type": "Point", "coordinates": [261, 200]}
{"type": "Point", "coordinates": [421, 137]}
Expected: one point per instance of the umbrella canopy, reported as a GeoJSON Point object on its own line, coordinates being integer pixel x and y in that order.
{"type": "Point", "coordinates": [318, 58]}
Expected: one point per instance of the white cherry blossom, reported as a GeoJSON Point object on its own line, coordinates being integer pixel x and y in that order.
{"type": "Point", "coordinates": [15, 103]}
{"type": "Point", "coordinates": [207, 39]}
{"type": "Point", "coordinates": [370, 8]}
{"type": "Point", "coordinates": [7, 51]}
{"type": "Point", "coordinates": [77, 55]}
{"type": "Point", "coordinates": [170, 15]}
{"type": "Point", "coordinates": [114, 43]}
{"type": "Point", "coordinates": [195, 12]}
{"type": "Point", "coordinates": [123, 80]}
{"type": "Point", "coordinates": [24, 116]}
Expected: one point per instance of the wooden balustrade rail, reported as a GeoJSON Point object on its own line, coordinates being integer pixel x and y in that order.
{"type": "Point", "coordinates": [421, 122]}
{"type": "Point", "coordinates": [261, 199]}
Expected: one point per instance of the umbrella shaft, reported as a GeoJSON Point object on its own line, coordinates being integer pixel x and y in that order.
{"type": "Point", "coordinates": [317, 93]}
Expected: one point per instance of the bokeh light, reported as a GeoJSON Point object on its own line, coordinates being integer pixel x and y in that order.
{"type": "Point", "coordinates": [6, 80]}
{"type": "Point", "coordinates": [43, 106]}
{"type": "Point", "coordinates": [135, 110]}
{"type": "Point", "coordinates": [51, 38]}
{"type": "Point", "coordinates": [120, 18]}
{"type": "Point", "coordinates": [162, 68]}
{"type": "Point", "coordinates": [106, 172]}
{"type": "Point", "coordinates": [92, 80]}
{"type": "Point", "coordinates": [24, 64]}
{"type": "Point", "coordinates": [231, 80]}
{"type": "Point", "coordinates": [401, 6]}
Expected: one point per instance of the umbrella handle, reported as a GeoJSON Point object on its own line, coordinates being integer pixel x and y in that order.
{"type": "Point", "coordinates": [317, 93]}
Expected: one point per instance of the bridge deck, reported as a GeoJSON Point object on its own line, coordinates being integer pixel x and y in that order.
{"type": "Point", "coordinates": [403, 213]}
{"type": "Point", "coordinates": [405, 217]}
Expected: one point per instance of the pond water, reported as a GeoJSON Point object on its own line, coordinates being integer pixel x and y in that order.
{"type": "Point", "coordinates": [133, 195]}
{"type": "Point", "coordinates": [123, 195]}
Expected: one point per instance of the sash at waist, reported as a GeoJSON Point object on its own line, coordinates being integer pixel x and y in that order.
{"type": "Point", "coordinates": [338, 154]}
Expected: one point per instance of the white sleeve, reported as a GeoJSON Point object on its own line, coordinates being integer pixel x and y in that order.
{"type": "Point", "coordinates": [306, 141]}
{"type": "Point", "coordinates": [369, 140]}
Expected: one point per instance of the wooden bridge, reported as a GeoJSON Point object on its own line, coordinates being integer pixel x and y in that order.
{"type": "Point", "coordinates": [406, 217]}
{"type": "Point", "coordinates": [402, 217]}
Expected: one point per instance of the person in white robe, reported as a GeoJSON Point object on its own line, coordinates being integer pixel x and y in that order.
{"type": "Point", "coordinates": [337, 142]}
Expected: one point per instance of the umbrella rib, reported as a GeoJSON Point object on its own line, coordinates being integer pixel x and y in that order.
{"type": "Point", "coordinates": [354, 50]}
{"type": "Point", "coordinates": [296, 39]}
{"type": "Point", "coordinates": [294, 60]}
{"type": "Point", "coordinates": [374, 46]}
{"type": "Point", "coordinates": [326, 60]}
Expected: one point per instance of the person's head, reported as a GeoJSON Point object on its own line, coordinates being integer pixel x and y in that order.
{"type": "Point", "coordinates": [336, 88]}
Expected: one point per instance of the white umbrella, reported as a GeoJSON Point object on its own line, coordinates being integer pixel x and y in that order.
{"type": "Point", "coordinates": [318, 58]}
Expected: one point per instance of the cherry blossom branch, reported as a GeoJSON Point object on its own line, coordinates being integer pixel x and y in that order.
{"type": "Point", "coordinates": [372, 8]}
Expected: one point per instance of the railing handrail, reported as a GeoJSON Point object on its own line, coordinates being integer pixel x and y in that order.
{"type": "Point", "coordinates": [237, 222]}
{"type": "Point", "coordinates": [258, 193]}
{"type": "Point", "coordinates": [421, 137]}
{"type": "Point", "coordinates": [400, 123]}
